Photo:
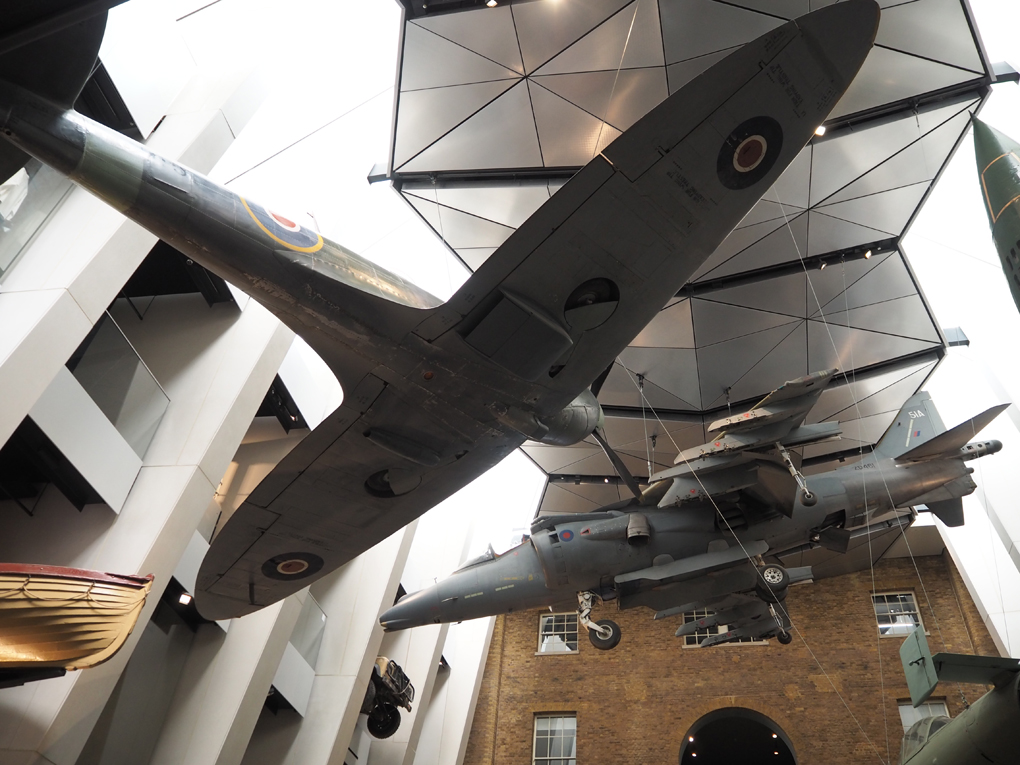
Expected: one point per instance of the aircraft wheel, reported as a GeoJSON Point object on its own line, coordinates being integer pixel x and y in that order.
{"type": "Point", "coordinates": [773, 583]}
{"type": "Point", "coordinates": [808, 498]}
{"type": "Point", "coordinates": [384, 721]}
{"type": "Point", "coordinates": [605, 643]}
{"type": "Point", "coordinates": [784, 637]}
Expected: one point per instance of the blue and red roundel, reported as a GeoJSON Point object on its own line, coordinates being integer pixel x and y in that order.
{"type": "Point", "coordinates": [566, 535]}
{"type": "Point", "coordinates": [283, 231]}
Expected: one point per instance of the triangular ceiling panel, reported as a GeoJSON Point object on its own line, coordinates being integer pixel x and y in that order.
{"type": "Point", "coordinates": [788, 9]}
{"type": "Point", "coordinates": [544, 29]}
{"type": "Point", "coordinates": [459, 229]}
{"type": "Point", "coordinates": [425, 115]}
{"type": "Point", "coordinates": [721, 365]}
{"type": "Point", "coordinates": [473, 257]}
{"type": "Point", "coordinates": [634, 92]}
{"type": "Point", "coordinates": [682, 72]}
{"type": "Point", "coordinates": [887, 211]}
{"type": "Point", "coordinates": [840, 399]}
{"type": "Point", "coordinates": [569, 135]}
{"type": "Point", "coordinates": [843, 158]}
{"type": "Point", "coordinates": [684, 25]}
{"type": "Point", "coordinates": [785, 294]}
{"type": "Point", "coordinates": [428, 210]}
{"type": "Point", "coordinates": [905, 316]}
{"type": "Point", "coordinates": [510, 206]}
{"type": "Point", "coordinates": [905, 168]}
{"type": "Point", "coordinates": [500, 135]}
{"type": "Point", "coordinates": [719, 322]}
{"type": "Point", "coordinates": [827, 285]}
{"type": "Point", "coordinates": [787, 244]}
{"type": "Point", "coordinates": [828, 234]}
{"type": "Point", "coordinates": [582, 498]}
{"type": "Point", "coordinates": [890, 397]}
{"type": "Point", "coordinates": [671, 328]}
{"type": "Point", "coordinates": [767, 210]}
{"type": "Point", "coordinates": [794, 185]}
{"type": "Point", "coordinates": [857, 348]}
{"type": "Point", "coordinates": [935, 29]}
{"type": "Point", "coordinates": [434, 62]}
{"type": "Point", "coordinates": [630, 37]}
{"type": "Point", "coordinates": [889, 279]}
{"type": "Point", "coordinates": [786, 361]}
{"type": "Point", "coordinates": [619, 389]}
{"type": "Point", "coordinates": [937, 114]}
{"type": "Point", "coordinates": [888, 75]}
{"type": "Point", "coordinates": [668, 368]}
{"type": "Point", "coordinates": [559, 460]}
{"type": "Point", "coordinates": [489, 33]}
{"type": "Point", "coordinates": [738, 240]}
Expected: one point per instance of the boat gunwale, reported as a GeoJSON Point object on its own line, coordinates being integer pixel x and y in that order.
{"type": "Point", "coordinates": [81, 574]}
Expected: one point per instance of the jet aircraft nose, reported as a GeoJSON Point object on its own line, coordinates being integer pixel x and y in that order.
{"type": "Point", "coordinates": [412, 610]}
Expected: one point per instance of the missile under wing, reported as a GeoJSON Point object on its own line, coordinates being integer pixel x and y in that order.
{"type": "Point", "coordinates": [437, 394]}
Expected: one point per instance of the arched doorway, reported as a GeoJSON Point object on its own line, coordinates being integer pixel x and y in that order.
{"type": "Point", "coordinates": [736, 735]}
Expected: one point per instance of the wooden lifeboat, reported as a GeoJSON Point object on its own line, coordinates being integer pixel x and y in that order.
{"type": "Point", "coordinates": [66, 618]}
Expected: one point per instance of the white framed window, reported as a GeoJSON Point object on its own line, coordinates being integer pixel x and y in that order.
{"type": "Point", "coordinates": [909, 715]}
{"type": "Point", "coordinates": [694, 640]}
{"type": "Point", "coordinates": [555, 739]}
{"type": "Point", "coordinates": [896, 613]}
{"type": "Point", "coordinates": [557, 633]}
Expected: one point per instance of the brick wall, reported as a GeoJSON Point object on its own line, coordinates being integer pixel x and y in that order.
{"type": "Point", "coordinates": [635, 704]}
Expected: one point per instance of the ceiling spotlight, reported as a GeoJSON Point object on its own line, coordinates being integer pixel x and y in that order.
{"type": "Point", "coordinates": [775, 735]}
{"type": "Point", "coordinates": [185, 599]}
{"type": "Point", "coordinates": [820, 130]}
{"type": "Point", "coordinates": [492, 3]}
{"type": "Point", "coordinates": [607, 480]}
{"type": "Point", "coordinates": [691, 739]}
{"type": "Point", "coordinates": [822, 267]}
{"type": "Point", "coordinates": [867, 255]}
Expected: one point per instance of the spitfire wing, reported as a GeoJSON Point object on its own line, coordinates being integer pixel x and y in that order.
{"type": "Point", "coordinates": [541, 318]}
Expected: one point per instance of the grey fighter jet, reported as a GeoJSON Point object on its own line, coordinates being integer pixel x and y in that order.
{"type": "Point", "coordinates": [701, 536]}
{"type": "Point", "coordinates": [436, 394]}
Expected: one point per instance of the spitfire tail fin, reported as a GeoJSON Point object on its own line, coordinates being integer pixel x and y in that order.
{"type": "Point", "coordinates": [917, 422]}
{"type": "Point", "coordinates": [48, 48]}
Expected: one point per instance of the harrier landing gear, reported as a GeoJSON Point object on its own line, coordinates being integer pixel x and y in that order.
{"type": "Point", "coordinates": [603, 634]}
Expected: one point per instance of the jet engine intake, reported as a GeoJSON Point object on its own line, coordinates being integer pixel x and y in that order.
{"type": "Point", "coordinates": [575, 422]}
{"type": "Point", "coordinates": [638, 531]}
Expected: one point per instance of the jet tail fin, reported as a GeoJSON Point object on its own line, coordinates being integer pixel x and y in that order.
{"type": "Point", "coordinates": [48, 47]}
{"type": "Point", "coordinates": [918, 422]}
{"type": "Point", "coordinates": [949, 511]}
{"type": "Point", "coordinates": [952, 440]}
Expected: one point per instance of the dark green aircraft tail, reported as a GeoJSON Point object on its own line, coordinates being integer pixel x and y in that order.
{"type": "Point", "coordinates": [917, 422]}
{"type": "Point", "coordinates": [48, 47]}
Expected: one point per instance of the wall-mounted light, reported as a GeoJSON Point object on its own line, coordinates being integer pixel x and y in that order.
{"type": "Point", "coordinates": [867, 256]}
{"type": "Point", "coordinates": [185, 599]}
{"type": "Point", "coordinates": [820, 130]}
{"type": "Point", "coordinates": [492, 3]}
{"type": "Point", "coordinates": [822, 266]}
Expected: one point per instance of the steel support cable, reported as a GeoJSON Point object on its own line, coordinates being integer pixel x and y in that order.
{"type": "Point", "coordinates": [750, 560]}
{"type": "Point", "coordinates": [612, 91]}
{"type": "Point", "coordinates": [856, 403]}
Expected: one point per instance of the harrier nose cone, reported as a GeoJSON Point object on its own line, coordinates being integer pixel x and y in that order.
{"type": "Point", "coordinates": [412, 610]}
{"type": "Point", "coordinates": [845, 32]}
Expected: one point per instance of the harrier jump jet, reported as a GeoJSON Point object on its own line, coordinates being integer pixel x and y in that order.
{"type": "Point", "coordinates": [701, 536]}
{"type": "Point", "coordinates": [436, 394]}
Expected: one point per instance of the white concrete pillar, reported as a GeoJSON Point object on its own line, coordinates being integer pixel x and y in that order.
{"type": "Point", "coordinates": [223, 687]}
{"type": "Point", "coordinates": [352, 599]}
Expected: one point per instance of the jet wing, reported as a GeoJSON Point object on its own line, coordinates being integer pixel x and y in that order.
{"type": "Point", "coordinates": [777, 418]}
{"type": "Point", "coordinates": [549, 310]}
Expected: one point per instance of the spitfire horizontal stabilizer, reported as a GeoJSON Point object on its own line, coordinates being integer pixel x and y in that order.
{"type": "Point", "coordinates": [953, 440]}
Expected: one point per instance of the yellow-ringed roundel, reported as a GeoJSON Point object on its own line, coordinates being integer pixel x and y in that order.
{"type": "Point", "coordinates": [749, 152]}
{"type": "Point", "coordinates": [283, 230]}
{"type": "Point", "coordinates": [289, 566]}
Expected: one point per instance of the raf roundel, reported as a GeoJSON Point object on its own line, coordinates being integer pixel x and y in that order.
{"type": "Point", "coordinates": [290, 566]}
{"type": "Point", "coordinates": [749, 152]}
{"type": "Point", "coordinates": [566, 535]}
{"type": "Point", "coordinates": [282, 230]}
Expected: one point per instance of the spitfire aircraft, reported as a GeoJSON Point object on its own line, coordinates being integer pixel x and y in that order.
{"type": "Point", "coordinates": [436, 394]}
{"type": "Point", "coordinates": [701, 535]}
